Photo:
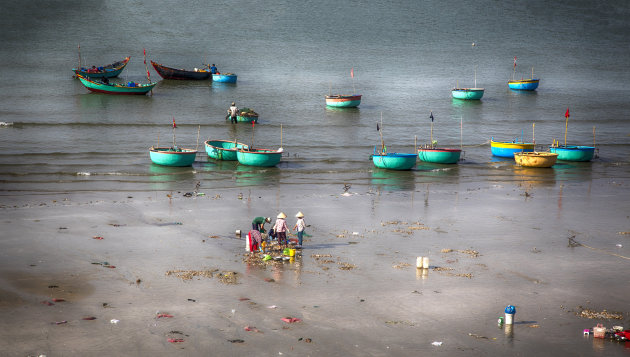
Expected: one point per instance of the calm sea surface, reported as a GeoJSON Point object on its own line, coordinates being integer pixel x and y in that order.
{"type": "Point", "coordinates": [406, 56]}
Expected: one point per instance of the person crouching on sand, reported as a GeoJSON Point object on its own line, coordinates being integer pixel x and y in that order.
{"type": "Point", "coordinates": [280, 227]}
{"type": "Point", "coordinates": [299, 227]}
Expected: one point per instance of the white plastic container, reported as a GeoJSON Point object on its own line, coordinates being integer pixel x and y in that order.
{"type": "Point", "coordinates": [425, 262]}
{"type": "Point", "coordinates": [509, 319]}
{"type": "Point", "coordinates": [419, 262]}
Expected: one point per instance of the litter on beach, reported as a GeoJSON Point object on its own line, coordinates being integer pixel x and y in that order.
{"type": "Point", "coordinates": [436, 343]}
{"type": "Point", "coordinates": [290, 319]}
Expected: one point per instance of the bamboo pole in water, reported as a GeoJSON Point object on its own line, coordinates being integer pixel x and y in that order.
{"type": "Point", "coordinates": [79, 68]}
{"type": "Point", "coordinates": [534, 135]}
{"type": "Point", "coordinates": [461, 132]}
{"type": "Point", "coordinates": [198, 130]}
{"type": "Point", "coordinates": [593, 136]}
{"type": "Point", "coordinates": [280, 135]}
{"type": "Point", "coordinates": [381, 134]}
{"type": "Point", "coordinates": [566, 127]}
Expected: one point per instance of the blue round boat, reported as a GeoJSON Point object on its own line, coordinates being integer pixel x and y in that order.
{"type": "Point", "coordinates": [224, 78]}
{"type": "Point", "coordinates": [524, 84]}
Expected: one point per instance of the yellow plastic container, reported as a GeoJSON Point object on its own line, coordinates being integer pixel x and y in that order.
{"type": "Point", "coordinates": [292, 252]}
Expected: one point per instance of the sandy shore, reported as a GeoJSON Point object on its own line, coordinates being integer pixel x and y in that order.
{"type": "Point", "coordinates": [355, 288]}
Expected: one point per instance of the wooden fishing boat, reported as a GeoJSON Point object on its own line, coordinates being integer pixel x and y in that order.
{"type": "Point", "coordinates": [343, 101]}
{"type": "Point", "coordinates": [393, 161]}
{"type": "Point", "coordinates": [223, 149]}
{"type": "Point", "coordinates": [468, 93]}
{"type": "Point", "coordinates": [573, 152]}
{"type": "Point", "coordinates": [175, 73]}
{"type": "Point", "coordinates": [247, 115]}
{"type": "Point", "coordinates": [439, 155]}
{"type": "Point", "coordinates": [508, 148]}
{"type": "Point", "coordinates": [224, 77]}
{"type": "Point", "coordinates": [129, 88]}
{"type": "Point", "coordinates": [258, 157]}
{"type": "Point", "coordinates": [524, 84]}
{"type": "Point", "coordinates": [535, 159]}
{"type": "Point", "coordinates": [172, 156]}
{"type": "Point", "coordinates": [109, 71]}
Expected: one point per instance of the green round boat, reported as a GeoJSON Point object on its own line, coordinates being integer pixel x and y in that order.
{"type": "Point", "coordinates": [573, 152]}
{"type": "Point", "coordinates": [223, 149]}
{"type": "Point", "coordinates": [439, 155]}
{"type": "Point", "coordinates": [258, 157]}
{"type": "Point", "coordinates": [394, 161]}
{"type": "Point", "coordinates": [167, 156]}
{"type": "Point", "coordinates": [467, 93]}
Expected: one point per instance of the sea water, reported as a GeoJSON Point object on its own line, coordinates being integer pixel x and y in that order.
{"type": "Point", "coordinates": [405, 57]}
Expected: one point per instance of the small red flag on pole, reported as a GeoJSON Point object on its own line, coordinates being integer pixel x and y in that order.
{"type": "Point", "coordinates": [566, 115]}
{"type": "Point", "coordinates": [144, 50]}
{"type": "Point", "coordinates": [253, 122]}
{"type": "Point", "coordinates": [352, 72]}
{"type": "Point", "coordinates": [174, 125]}
{"type": "Point", "coordinates": [514, 61]}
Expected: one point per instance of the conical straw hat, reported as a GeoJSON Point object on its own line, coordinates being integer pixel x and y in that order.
{"type": "Point", "coordinates": [300, 215]}
{"type": "Point", "coordinates": [282, 215]}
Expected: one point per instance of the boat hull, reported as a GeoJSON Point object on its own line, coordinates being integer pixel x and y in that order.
{"type": "Point", "coordinates": [524, 84]}
{"type": "Point", "coordinates": [180, 74]}
{"type": "Point", "coordinates": [223, 149]}
{"type": "Point", "coordinates": [109, 71]}
{"type": "Point", "coordinates": [535, 159]}
{"type": "Point", "coordinates": [343, 101]}
{"type": "Point", "coordinates": [259, 157]}
{"type": "Point", "coordinates": [139, 89]}
{"type": "Point", "coordinates": [394, 161]}
{"type": "Point", "coordinates": [573, 153]}
{"type": "Point", "coordinates": [439, 155]}
{"type": "Point", "coordinates": [468, 93]}
{"type": "Point", "coordinates": [169, 157]}
{"type": "Point", "coordinates": [224, 78]}
{"type": "Point", "coordinates": [246, 119]}
{"type": "Point", "coordinates": [507, 149]}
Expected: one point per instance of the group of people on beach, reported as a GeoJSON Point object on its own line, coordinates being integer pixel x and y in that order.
{"type": "Point", "coordinates": [277, 231]}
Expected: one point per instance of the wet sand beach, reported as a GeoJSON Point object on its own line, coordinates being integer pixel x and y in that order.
{"type": "Point", "coordinates": [104, 273]}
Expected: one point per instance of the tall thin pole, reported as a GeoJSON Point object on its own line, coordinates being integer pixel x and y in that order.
{"type": "Point", "coordinates": [415, 144]}
{"type": "Point", "coordinates": [566, 127]}
{"type": "Point", "coordinates": [593, 136]}
{"type": "Point", "coordinates": [281, 135]}
{"type": "Point", "coordinates": [79, 68]}
{"type": "Point", "coordinates": [534, 134]}
{"type": "Point", "coordinates": [431, 133]}
{"type": "Point", "coordinates": [381, 134]}
{"type": "Point", "coordinates": [198, 130]}
{"type": "Point", "coordinates": [461, 132]}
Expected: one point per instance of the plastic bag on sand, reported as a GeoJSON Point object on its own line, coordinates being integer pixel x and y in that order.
{"type": "Point", "coordinates": [436, 343]}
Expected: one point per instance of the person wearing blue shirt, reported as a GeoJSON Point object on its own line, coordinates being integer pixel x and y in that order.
{"type": "Point", "coordinates": [213, 69]}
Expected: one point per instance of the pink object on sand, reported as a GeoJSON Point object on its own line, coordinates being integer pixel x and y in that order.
{"type": "Point", "coordinates": [290, 319]}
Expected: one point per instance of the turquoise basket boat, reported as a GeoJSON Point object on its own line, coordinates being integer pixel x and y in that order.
{"type": "Point", "coordinates": [343, 101]}
{"type": "Point", "coordinates": [439, 155]}
{"type": "Point", "coordinates": [109, 71]}
{"type": "Point", "coordinates": [258, 157]}
{"type": "Point", "coordinates": [508, 148]}
{"type": "Point", "coordinates": [524, 84]}
{"type": "Point", "coordinates": [130, 88]}
{"type": "Point", "coordinates": [167, 156]}
{"type": "Point", "coordinates": [573, 152]}
{"type": "Point", "coordinates": [394, 161]}
{"type": "Point", "coordinates": [467, 93]}
{"type": "Point", "coordinates": [223, 149]}
{"type": "Point", "coordinates": [224, 78]}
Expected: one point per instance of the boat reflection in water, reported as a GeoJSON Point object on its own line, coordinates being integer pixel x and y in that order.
{"type": "Point", "coordinates": [256, 176]}
{"type": "Point", "coordinates": [166, 178]}
{"type": "Point", "coordinates": [388, 180]}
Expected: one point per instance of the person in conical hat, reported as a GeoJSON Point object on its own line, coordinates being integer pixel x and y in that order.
{"type": "Point", "coordinates": [299, 227]}
{"type": "Point", "coordinates": [280, 228]}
